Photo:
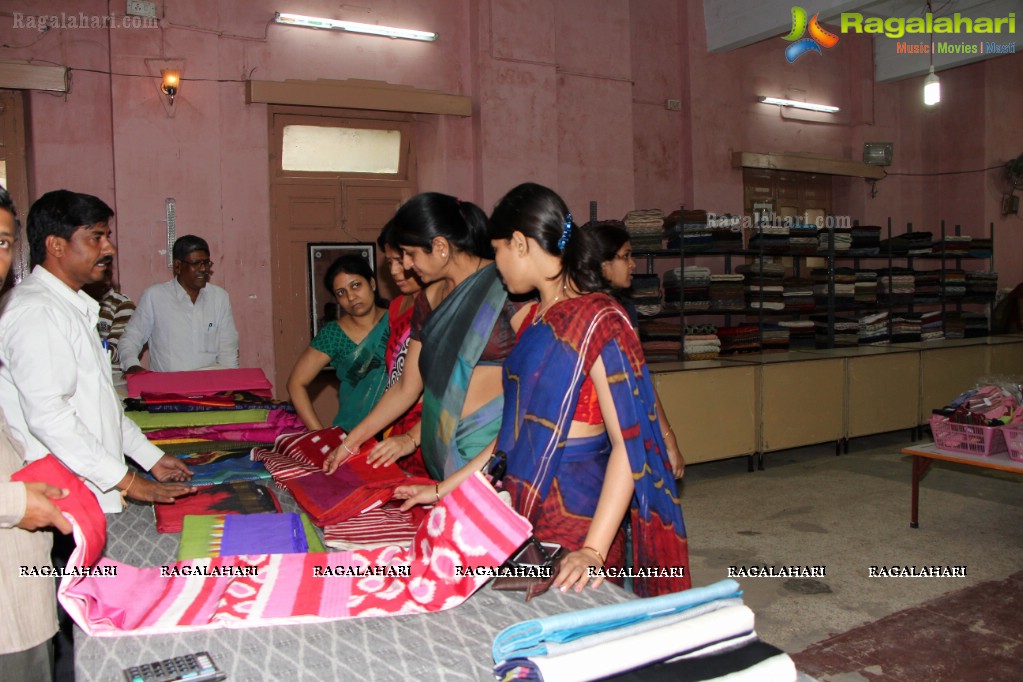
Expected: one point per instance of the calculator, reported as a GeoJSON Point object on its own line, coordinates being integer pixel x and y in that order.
{"type": "Point", "coordinates": [193, 668]}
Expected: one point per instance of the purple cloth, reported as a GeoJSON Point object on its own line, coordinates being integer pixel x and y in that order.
{"type": "Point", "coordinates": [263, 534]}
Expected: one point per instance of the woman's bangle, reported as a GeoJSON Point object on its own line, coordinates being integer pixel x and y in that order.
{"type": "Point", "coordinates": [347, 449]}
{"type": "Point", "coordinates": [124, 493]}
{"type": "Point", "coordinates": [436, 490]}
{"type": "Point", "coordinates": [599, 555]}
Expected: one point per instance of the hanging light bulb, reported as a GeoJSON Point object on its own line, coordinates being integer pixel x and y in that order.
{"type": "Point", "coordinates": [932, 88]}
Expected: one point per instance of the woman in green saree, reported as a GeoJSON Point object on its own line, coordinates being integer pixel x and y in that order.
{"type": "Point", "coordinates": [463, 328]}
{"type": "Point", "coordinates": [355, 345]}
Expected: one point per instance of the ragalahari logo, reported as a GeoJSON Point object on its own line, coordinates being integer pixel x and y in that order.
{"type": "Point", "coordinates": [819, 37]}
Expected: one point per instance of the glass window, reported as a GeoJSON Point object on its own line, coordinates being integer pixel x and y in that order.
{"type": "Point", "coordinates": [341, 150]}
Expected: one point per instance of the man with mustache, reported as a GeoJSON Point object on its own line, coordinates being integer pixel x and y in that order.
{"type": "Point", "coordinates": [55, 381]}
{"type": "Point", "coordinates": [187, 321]}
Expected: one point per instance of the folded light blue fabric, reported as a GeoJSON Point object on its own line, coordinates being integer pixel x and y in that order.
{"type": "Point", "coordinates": [529, 637]}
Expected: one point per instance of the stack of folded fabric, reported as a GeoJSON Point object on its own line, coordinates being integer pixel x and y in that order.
{"type": "Point", "coordinates": [660, 340]}
{"type": "Point", "coordinates": [844, 287]}
{"type": "Point", "coordinates": [846, 331]}
{"type": "Point", "coordinates": [764, 286]}
{"type": "Point", "coordinates": [803, 239]}
{"type": "Point", "coordinates": [953, 245]}
{"type": "Point", "coordinates": [743, 338]}
{"type": "Point", "coordinates": [866, 240]}
{"type": "Point", "coordinates": [646, 294]}
{"type": "Point", "coordinates": [770, 239]}
{"type": "Point", "coordinates": [908, 244]}
{"type": "Point", "coordinates": [701, 342]}
{"type": "Point", "coordinates": [658, 330]}
{"type": "Point", "coordinates": [896, 285]}
{"type": "Point", "coordinates": [975, 324]}
{"type": "Point", "coordinates": [982, 284]}
{"type": "Point", "coordinates": [838, 238]}
{"type": "Point", "coordinates": [646, 229]}
{"type": "Point", "coordinates": [696, 281]}
{"type": "Point", "coordinates": [802, 334]}
{"type": "Point", "coordinates": [953, 283]}
{"type": "Point", "coordinates": [689, 229]}
{"type": "Point", "coordinates": [932, 326]}
{"type": "Point", "coordinates": [873, 329]}
{"type": "Point", "coordinates": [725, 232]}
{"type": "Point", "coordinates": [727, 292]}
{"type": "Point", "coordinates": [927, 286]}
{"type": "Point", "coordinates": [705, 633]}
{"type": "Point", "coordinates": [865, 287]}
{"type": "Point", "coordinates": [797, 294]}
{"type": "Point", "coordinates": [955, 325]}
{"type": "Point", "coordinates": [906, 327]}
{"type": "Point", "coordinates": [774, 337]}
{"type": "Point", "coordinates": [981, 247]}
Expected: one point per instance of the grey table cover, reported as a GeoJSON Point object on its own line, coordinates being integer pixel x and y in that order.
{"type": "Point", "coordinates": [452, 645]}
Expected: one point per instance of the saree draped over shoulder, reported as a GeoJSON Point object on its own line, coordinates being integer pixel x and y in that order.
{"type": "Point", "coordinates": [453, 340]}
{"type": "Point", "coordinates": [555, 482]}
{"type": "Point", "coordinates": [360, 369]}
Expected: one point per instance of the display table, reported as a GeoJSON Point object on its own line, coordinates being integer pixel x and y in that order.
{"type": "Point", "coordinates": [924, 456]}
{"type": "Point", "coordinates": [451, 645]}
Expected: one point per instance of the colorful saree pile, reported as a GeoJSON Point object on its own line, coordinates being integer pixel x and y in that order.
{"type": "Point", "coordinates": [470, 527]}
{"type": "Point", "coordinates": [556, 482]}
{"type": "Point", "coordinates": [453, 340]}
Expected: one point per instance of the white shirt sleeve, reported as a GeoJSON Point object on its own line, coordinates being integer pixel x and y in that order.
{"type": "Point", "coordinates": [227, 352]}
{"type": "Point", "coordinates": [42, 365]}
{"type": "Point", "coordinates": [137, 332]}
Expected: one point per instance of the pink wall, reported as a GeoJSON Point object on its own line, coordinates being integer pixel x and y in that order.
{"type": "Point", "coordinates": [564, 93]}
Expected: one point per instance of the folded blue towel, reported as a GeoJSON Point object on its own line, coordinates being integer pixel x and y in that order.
{"type": "Point", "coordinates": [528, 637]}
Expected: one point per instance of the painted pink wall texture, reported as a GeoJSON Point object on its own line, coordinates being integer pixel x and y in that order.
{"type": "Point", "coordinates": [569, 93]}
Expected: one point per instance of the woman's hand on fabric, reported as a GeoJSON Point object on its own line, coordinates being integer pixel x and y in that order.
{"type": "Point", "coordinates": [169, 468]}
{"type": "Point", "coordinates": [416, 494]}
{"type": "Point", "coordinates": [390, 450]}
{"type": "Point", "coordinates": [575, 571]}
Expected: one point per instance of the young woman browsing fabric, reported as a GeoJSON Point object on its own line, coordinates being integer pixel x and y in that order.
{"type": "Point", "coordinates": [585, 448]}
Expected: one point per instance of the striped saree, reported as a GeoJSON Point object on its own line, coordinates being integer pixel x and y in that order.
{"type": "Point", "coordinates": [555, 481]}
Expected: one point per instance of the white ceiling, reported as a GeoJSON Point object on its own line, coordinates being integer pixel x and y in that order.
{"type": "Point", "coordinates": [732, 24]}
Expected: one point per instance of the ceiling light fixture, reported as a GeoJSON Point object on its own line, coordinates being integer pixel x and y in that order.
{"type": "Point", "coordinates": [932, 86]}
{"type": "Point", "coordinates": [353, 27]}
{"type": "Point", "coordinates": [810, 106]}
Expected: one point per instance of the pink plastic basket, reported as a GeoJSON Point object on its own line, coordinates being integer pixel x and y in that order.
{"type": "Point", "coordinates": [1014, 441]}
{"type": "Point", "coordinates": [969, 438]}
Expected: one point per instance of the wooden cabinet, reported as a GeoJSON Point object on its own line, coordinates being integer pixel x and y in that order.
{"type": "Point", "coordinates": [882, 390]}
{"type": "Point", "coordinates": [802, 400]}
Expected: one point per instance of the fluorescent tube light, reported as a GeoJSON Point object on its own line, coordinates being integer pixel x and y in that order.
{"type": "Point", "coordinates": [353, 27]}
{"type": "Point", "coordinates": [827, 109]}
{"type": "Point", "coordinates": [932, 89]}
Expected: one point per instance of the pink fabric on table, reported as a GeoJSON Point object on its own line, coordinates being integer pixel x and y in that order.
{"type": "Point", "coordinates": [199, 382]}
{"type": "Point", "coordinates": [471, 527]}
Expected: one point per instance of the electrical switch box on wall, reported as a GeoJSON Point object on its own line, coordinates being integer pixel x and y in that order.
{"type": "Point", "coordinates": [141, 8]}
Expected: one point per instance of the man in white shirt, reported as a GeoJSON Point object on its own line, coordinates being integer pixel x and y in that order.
{"type": "Point", "coordinates": [55, 383]}
{"type": "Point", "coordinates": [187, 321]}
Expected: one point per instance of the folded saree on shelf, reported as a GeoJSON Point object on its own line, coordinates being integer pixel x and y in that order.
{"type": "Point", "coordinates": [471, 526]}
{"type": "Point", "coordinates": [199, 382]}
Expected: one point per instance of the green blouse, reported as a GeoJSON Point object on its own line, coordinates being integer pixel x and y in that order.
{"type": "Point", "coordinates": [360, 368]}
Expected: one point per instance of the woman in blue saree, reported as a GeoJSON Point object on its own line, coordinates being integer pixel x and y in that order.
{"type": "Point", "coordinates": [463, 328]}
{"type": "Point", "coordinates": [584, 444]}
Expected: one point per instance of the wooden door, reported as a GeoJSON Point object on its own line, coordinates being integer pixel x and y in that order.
{"type": "Point", "coordinates": [14, 172]}
{"type": "Point", "coordinates": [317, 207]}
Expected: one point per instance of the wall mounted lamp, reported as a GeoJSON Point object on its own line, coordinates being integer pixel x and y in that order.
{"type": "Point", "coordinates": [795, 104]}
{"type": "Point", "coordinates": [171, 83]}
{"type": "Point", "coordinates": [353, 27]}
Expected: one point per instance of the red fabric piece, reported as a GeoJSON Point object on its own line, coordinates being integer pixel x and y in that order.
{"type": "Point", "coordinates": [239, 497]}
{"type": "Point", "coordinates": [80, 503]}
{"type": "Point", "coordinates": [199, 382]}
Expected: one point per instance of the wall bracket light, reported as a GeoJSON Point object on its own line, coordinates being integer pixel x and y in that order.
{"type": "Point", "coordinates": [171, 82]}
{"type": "Point", "coordinates": [795, 104]}
{"type": "Point", "coordinates": [353, 27]}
